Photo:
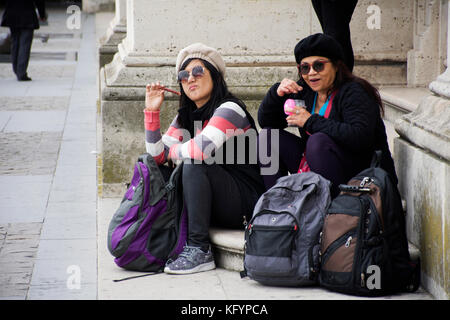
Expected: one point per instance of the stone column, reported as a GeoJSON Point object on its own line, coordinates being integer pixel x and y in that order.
{"type": "Point", "coordinates": [92, 6]}
{"type": "Point", "coordinates": [426, 58]}
{"type": "Point", "coordinates": [115, 33]}
{"type": "Point", "coordinates": [441, 85]}
{"type": "Point", "coordinates": [422, 155]}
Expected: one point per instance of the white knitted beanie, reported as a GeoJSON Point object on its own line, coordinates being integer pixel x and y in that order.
{"type": "Point", "coordinates": [199, 50]}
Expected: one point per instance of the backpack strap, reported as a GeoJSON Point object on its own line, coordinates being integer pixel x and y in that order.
{"type": "Point", "coordinates": [174, 177]}
{"type": "Point", "coordinates": [139, 276]}
{"type": "Point", "coordinates": [156, 184]}
{"type": "Point", "coordinates": [376, 159]}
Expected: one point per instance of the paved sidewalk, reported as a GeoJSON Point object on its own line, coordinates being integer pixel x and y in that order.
{"type": "Point", "coordinates": [52, 225]}
{"type": "Point", "coordinates": [48, 167]}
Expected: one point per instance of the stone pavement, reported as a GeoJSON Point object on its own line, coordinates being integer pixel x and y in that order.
{"type": "Point", "coordinates": [53, 225]}
{"type": "Point", "coordinates": [48, 167]}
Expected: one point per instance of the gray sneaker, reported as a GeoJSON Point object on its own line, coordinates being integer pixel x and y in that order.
{"type": "Point", "coordinates": [191, 260]}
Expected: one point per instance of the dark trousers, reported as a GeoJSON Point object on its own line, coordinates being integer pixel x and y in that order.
{"type": "Point", "coordinates": [212, 197]}
{"type": "Point", "coordinates": [21, 40]}
{"type": "Point", "coordinates": [323, 155]}
{"type": "Point", "coordinates": [334, 17]}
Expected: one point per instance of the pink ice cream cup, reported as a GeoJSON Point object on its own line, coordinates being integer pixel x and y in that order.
{"type": "Point", "coordinates": [289, 106]}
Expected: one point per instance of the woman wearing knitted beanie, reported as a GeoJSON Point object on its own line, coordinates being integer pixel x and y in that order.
{"type": "Point", "coordinates": [340, 126]}
{"type": "Point", "coordinates": [217, 190]}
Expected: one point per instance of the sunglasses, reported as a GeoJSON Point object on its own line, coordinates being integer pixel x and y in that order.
{"type": "Point", "coordinates": [197, 71]}
{"type": "Point", "coordinates": [317, 65]}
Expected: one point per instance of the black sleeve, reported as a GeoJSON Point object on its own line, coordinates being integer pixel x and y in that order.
{"type": "Point", "coordinates": [270, 112]}
{"type": "Point", "coordinates": [354, 126]}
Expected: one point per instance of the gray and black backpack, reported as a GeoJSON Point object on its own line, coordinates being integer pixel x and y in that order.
{"type": "Point", "coordinates": [364, 248]}
{"type": "Point", "coordinates": [282, 238]}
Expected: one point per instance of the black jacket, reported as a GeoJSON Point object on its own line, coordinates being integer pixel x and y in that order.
{"type": "Point", "coordinates": [22, 13]}
{"type": "Point", "coordinates": [354, 123]}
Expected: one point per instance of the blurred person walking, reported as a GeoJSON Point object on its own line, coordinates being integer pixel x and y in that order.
{"type": "Point", "coordinates": [20, 16]}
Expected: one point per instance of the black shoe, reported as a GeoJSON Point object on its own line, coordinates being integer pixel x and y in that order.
{"type": "Point", "coordinates": [24, 78]}
{"type": "Point", "coordinates": [415, 277]}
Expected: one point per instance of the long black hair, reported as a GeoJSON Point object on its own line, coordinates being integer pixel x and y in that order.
{"type": "Point", "coordinates": [344, 75]}
{"type": "Point", "coordinates": [219, 95]}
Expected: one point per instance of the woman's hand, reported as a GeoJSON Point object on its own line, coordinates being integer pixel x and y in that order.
{"type": "Point", "coordinates": [299, 117]}
{"type": "Point", "coordinates": [288, 86]}
{"type": "Point", "coordinates": [154, 96]}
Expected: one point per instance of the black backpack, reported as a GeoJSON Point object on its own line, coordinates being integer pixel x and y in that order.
{"type": "Point", "coordinates": [282, 238]}
{"type": "Point", "coordinates": [364, 249]}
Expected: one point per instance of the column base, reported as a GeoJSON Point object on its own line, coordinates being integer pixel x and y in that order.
{"type": "Point", "coordinates": [422, 160]}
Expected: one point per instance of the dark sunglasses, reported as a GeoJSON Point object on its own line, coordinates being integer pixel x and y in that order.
{"type": "Point", "coordinates": [196, 72]}
{"type": "Point", "coordinates": [317, 65]}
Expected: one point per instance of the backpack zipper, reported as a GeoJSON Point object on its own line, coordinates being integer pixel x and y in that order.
{"type": "Point", "coordinates": [315, 184]}
{"type": "Point", "coordinates": [257, 227]}
{"type": "Point", "coordinates": [345, 239]}
{"type": "Point", "coordinates": [273, 212]}
{"type": "Point", "coordinates": [365, 205]}
{"type": "Point", "coordinates": [348, 242]}
{"type": "Point", "coordinates": [372, 209]}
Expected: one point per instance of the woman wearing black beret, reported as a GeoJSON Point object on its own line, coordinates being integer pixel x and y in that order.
{"type": "Point", "coordinates": [340, 127]}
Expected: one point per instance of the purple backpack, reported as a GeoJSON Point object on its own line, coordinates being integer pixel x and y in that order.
{"type": "Point", "coordinates": [150, 225]}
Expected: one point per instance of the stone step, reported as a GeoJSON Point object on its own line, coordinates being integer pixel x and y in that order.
{"type": "Point", "coordinates": [397, 102]}
{"type": "Point", "coordinates": [61, 44]}
{"type": "Point", "coordinates": [228, 248]}
{"type": "Point", "coordinates": [400, 100]}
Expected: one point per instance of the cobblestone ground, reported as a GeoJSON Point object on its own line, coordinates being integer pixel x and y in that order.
{"type": "Point", "coordinates": [19, 243]}
{"type": "Point", "coordinates": [32, 116]}
{"type": "Point", "coordinates": [26, 153]}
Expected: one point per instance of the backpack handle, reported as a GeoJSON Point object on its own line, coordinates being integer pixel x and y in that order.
{"type": "Point", "coordinates": [376, 159]}
{"type": "Point", "coordinates": [174, 177]}
{"type": "Point", "coordinates": [157, 183]}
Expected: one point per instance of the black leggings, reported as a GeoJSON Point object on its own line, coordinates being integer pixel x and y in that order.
{"type": "Point", "coordinates": [335, 17]}
{"type": "Point", "coordinates": [323, 155]}
{"type": "Point", "coordinates": [21, 40]}
{"type": "Point", "coordinates": [212, 197]}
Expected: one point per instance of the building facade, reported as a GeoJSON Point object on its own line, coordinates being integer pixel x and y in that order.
{"type": "Point", "coordinates": [400, 46]}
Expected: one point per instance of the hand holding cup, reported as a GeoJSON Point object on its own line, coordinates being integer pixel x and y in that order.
{"type": "Point", "coordinates": [296, 111]}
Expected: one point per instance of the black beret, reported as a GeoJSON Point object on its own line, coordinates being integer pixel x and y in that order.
{"type": "Point", "coordinates": [318, 44]}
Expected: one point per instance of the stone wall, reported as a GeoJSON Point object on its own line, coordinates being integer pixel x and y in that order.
{"type": "Point", "coordinates": [422, 150]}
{"type": "Point", "coordinates": [422, 159]}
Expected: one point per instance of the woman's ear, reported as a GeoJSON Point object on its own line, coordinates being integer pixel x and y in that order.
{"type": "Point", "coordinates": [299, 73]}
